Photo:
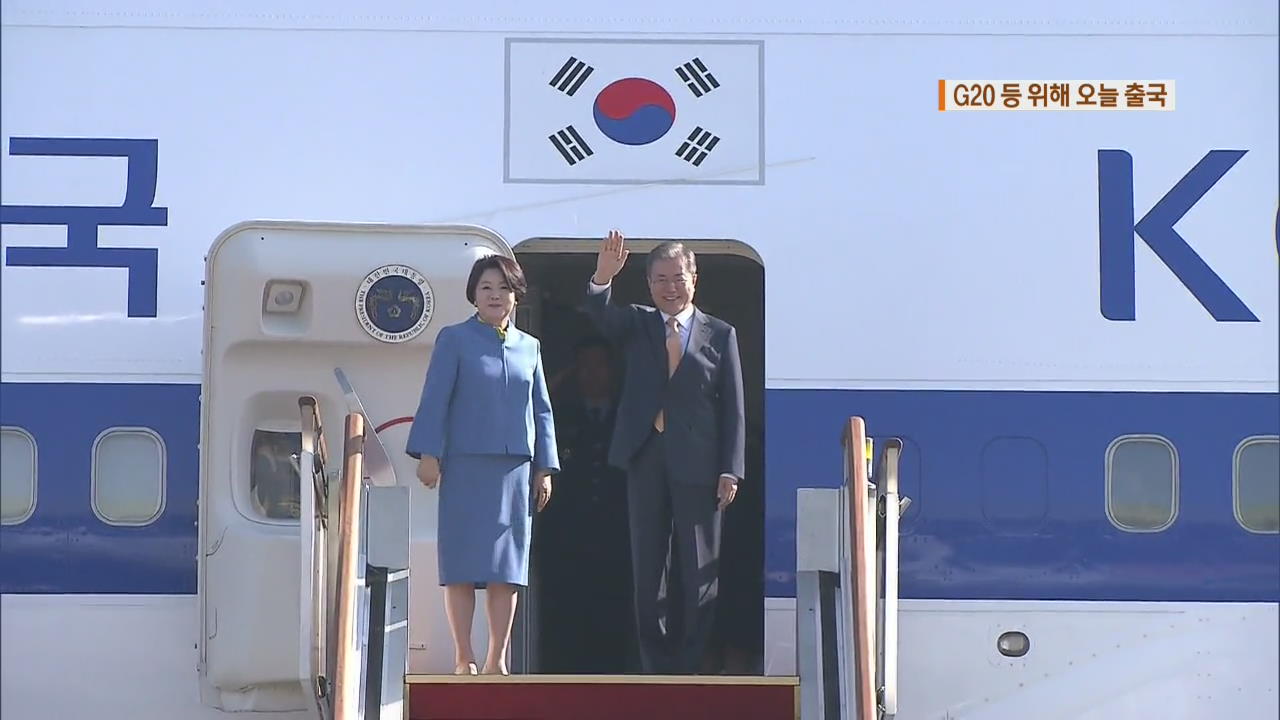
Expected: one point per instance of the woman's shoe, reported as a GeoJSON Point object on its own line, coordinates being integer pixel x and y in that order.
{"type": "Point", "coordinates": [467, 669]}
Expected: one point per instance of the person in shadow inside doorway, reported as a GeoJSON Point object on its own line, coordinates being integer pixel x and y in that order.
{"type": "Point", "coordinates": [680, 436]}
{"type": "Point", "coordinates": [484, 434]}
{"type": "Point", "coordinates": [582, 546]}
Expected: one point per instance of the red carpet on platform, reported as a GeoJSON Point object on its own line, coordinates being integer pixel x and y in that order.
{"type": "Point", "coordinates": [601, 697]}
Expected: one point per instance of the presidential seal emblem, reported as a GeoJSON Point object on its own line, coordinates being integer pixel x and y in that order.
{"type": "Point", "coordinates": [394, 303]}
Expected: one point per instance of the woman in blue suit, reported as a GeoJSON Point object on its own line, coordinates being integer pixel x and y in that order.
{"type": "Point", "coordinates": [484, 433]}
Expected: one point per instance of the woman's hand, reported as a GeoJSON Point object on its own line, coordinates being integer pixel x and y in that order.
{"type": "Point", "coordinates": [542, 488]}
{"type": "Point", "coordinates": [429, 471]}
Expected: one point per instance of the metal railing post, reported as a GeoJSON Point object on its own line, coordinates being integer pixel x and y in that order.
{"type": "Point", "coordinates": [862, 592]}
{"type": "Point", "coordinates": [888, 509]}
{"type": "Point", "coordinates": [346, 681]}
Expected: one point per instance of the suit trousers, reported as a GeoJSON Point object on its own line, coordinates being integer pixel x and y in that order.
{"type": "Point", "coordinates": [675, 556]}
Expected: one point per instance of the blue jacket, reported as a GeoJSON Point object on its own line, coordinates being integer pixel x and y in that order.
{"type": "Point", "coordinates": [483, 395]}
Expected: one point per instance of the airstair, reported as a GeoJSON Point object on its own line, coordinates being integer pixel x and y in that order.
{"type": "Point", "coordinates": [356, 647]}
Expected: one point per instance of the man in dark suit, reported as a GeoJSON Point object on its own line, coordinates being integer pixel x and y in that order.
{"type": "Point", "coordinates": [680, 435]}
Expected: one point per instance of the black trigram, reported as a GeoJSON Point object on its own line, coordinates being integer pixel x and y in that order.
{"type": "Point", "coordinates": [571, 145]}
{"type": "Point", "coordinates": [697, 77]}
{"type": "Point", "coordinates": [697, 147]}
{"type": "Point", "coordinates": [572, 74]}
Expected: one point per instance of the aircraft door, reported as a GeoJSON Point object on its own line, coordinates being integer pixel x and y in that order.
{"type": "Point", "coordinates": [287, 305]}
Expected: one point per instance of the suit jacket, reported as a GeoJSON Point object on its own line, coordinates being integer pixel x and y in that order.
{"type": "Point", "coordinates": [483, 395]}
{"type": "Point", "coordinates": [705, 421]}
{"type": "Point", "coordinates": [588, 484]}
{"type": "Point", "coordinates": [590, 494]}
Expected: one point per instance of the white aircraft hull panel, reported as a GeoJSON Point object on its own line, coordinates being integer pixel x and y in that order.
{"type": "Point", "coordinates": [134, 658]}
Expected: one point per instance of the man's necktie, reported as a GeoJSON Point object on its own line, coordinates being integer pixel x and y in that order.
{"type": "Point", "coordinates": [673, 360]}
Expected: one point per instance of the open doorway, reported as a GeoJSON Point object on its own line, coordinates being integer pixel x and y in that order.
{"type": "Point", "coordinates": [577, 615]}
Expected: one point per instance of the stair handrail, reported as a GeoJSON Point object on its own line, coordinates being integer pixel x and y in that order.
{"type": "Point", "coordinates": [313, 660]}
{"type": "Point", "coordinates": [890, 504]}
{"type": "Point", "coordinates": [862, 543]}
{"type": "Point", "coordinates": [346, 680]}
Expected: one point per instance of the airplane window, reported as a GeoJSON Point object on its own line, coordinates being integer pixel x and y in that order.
{"type": "Point", "coordinates": [273, 474]}
{"type": "Point", "coordinates": [128, 476]}
{"type": "Point", "coordinates": [1142, 483]}
{"type": "Point", "coordinates": [17, 476]}
{"type": "Point", "coordinates": [1257, 484]}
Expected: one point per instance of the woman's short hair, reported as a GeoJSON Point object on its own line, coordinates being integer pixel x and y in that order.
{"type": "Point", "coordinates": [510, 270]}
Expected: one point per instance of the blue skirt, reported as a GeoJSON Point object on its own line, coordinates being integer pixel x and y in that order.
{"type": "Point", "coordinates": [484, 520]}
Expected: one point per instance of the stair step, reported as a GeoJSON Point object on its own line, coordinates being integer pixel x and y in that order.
{"type": "Point", "coordinates": [592, 697]}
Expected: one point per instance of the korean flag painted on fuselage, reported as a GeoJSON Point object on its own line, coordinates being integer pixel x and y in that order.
{"type": "Point", "coordinates": [623, 111]}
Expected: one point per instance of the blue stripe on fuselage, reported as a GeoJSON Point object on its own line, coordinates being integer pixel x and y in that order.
{"type": "Point", "coordinates": [64, 547]}
{"type": "Point", "coordinates": [1007, 489]}
{"type": "Point", "coordinates": [1008, 492]}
